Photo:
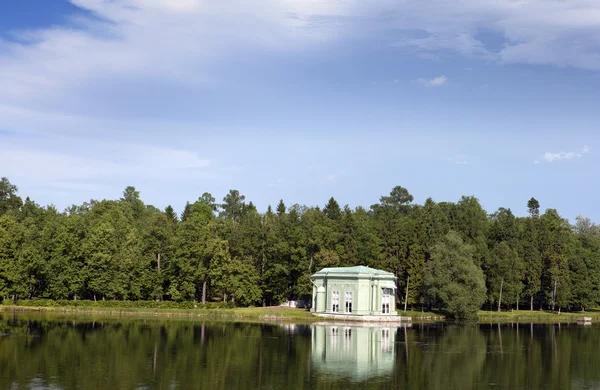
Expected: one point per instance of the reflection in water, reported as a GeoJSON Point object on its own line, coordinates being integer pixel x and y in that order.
{"type": "Point", "coordinates": [353, 351]}
{"type": "Point", "coordinates": [44, 351]}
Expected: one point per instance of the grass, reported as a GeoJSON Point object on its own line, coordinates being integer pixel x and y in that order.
{"type": "Point", "coordinates": [274, 313]}
{"type": "Point", "coordinates": [251, 313]}
{"type": "Point", "coordinates": [535, 316]}
{"type": "Point", "coordinates": [509, 316]}
{"type": "Point", "coordinates": [285, 314]}
{"type": "Point", "coordinates": [422, 315]}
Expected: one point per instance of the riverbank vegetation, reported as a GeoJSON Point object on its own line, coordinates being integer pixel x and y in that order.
{"type": "Point", "coordinates": [454, 257]}
{"type": "Point", "coordinates": [149, 309]}
{"type": "Point", "coordinates": [212, 312]}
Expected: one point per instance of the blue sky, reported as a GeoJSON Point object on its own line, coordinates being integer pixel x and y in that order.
{"type": "Point", "coordinates": [302, 100]}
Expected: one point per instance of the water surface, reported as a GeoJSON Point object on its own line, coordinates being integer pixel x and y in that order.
{"type": "Point", "coordinates": [46, 351]}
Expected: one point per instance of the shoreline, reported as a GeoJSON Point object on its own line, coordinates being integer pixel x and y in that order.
{"type": "Point", "coordinates": [284, 314]}
{"type": "Point", "coordinates": [261, 314]}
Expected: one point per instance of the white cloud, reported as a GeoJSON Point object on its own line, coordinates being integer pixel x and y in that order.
{"type": "Point", "coordinates": [334, 175]}
{"type": "Point", "coordinates": [107, 164]}
{"type": "Point", "coordinates": [551, 157]}
{"type": "Point", "coordinates": [460, 159]}
{"type": "Point", "coordinates": [57, 79]}
{"type": "Point", "coordinates": [551, 32]}
{"type": "Point", "coordinates": [434, 82]}
{"type": "Point", "coordinates": [177, 42]}
{"type": "Point", "coordinates": [74, 68]}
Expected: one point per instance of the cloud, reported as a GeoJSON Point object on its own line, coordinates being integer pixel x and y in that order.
{"type": "Point", "coordinates": [551, 157]}
{"type": "Point", "coordinates": [334, 175]}
{"type": "Point", "coordinates": [116, 46]}
{"type": "Point", "coordinates": [559, 33]}
{"type": "Point", "coordinates": [105, 163]}
{"type": "Point", "coordinates": [460, 159]}
{"type": "Point", "coordinates": [434, 82]}
{"type": "Point", "coordinates": [115, 51]}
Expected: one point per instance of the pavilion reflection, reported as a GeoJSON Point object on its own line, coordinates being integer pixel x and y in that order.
{"type": "Point", "coordinates": [356, 351]}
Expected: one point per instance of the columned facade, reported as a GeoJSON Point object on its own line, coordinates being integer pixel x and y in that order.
{"type": "Point", "coordinates": [354, 291]}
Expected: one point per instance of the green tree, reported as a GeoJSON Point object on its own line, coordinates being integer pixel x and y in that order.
{"type": "Point", "coordinates": [209, 200]}
{"type": "Point", "coordinates": [453, 279]}
{"type": "Point", "coordinates": [187, 212]}
{"type": "Point", "coordinates": [533, 206]}
{"type": "Point", "coordinates": [233, 206]}
{"type": "Point", "coordinates": [506, 284]}
{"type": "Point", "coordinates": [171, 214]}
{"type": "Point", "coordinates": [557, 249]}
{"type": "Point", "coordinates": [332, 209]}
{"type": "Point", "coordinates": [9, 201]}
{"type": "Point", "coordinates": [399, 199]}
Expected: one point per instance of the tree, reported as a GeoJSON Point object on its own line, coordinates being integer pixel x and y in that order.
{"type": "Point", "coordinates": [12, 279]}
{"type": "Point", "coordinates": [532, 258]}
{"type": "Point", "coordinates": [209, 200]}
{"type": "Point", "coordinates": [280, 208]}
{"type": "Point", "coordinates": [533, 206]}
{"type": "Point", "coordinates": [187, 212]}
{"type": "Point", "coordinates": [124, 249]}
{"type": "Point", "coordinates": [132, 198]}
{"type": "Point", "coordinates": [171, 214]}
{"type": "Point", "coordinates": [399, 199]}
{"type": "Point", "coordinates": [506, 285]}
{"type": "Point", "coordinates": [584, 226]}
{"type": "Point", "coordinates": [332, 209]}
{"type": "Point", "coordinates": [159, 234]}
{"type": "Point", "coordinates": [189, 273]}
{"type": "Point", "coordinates": [9, 201]}
{"type": "Point", "coordinates": [557, 249]}
{"type": "Point", "coordinates": [105, 275]}
{"type": "Point", "coordinates": [453, 279]}
{"type": "Point", "coordinates": [233, 206]}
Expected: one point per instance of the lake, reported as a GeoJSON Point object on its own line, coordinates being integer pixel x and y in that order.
{"type": "Point", "coordinates": [50, 351]}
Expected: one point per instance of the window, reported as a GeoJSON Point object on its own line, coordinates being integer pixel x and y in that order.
{"type": "Point", "coordinates": [347, 338]}
{"type": "Point", "coordinates": [335, 299]}
{"type": "Point", "coordinates": [348, 333]}
{"type": "Point", "coordinates": [385, 340]}
{"type": "Point", "coordinates": [348, 302]}
{"type": "Point", "coordinates": [334, 337]}
{"type": "Point", "coordinates": [385, 300]}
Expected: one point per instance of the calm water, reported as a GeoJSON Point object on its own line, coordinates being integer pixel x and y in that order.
{"type": "Point", "coordinates": [54, 352]}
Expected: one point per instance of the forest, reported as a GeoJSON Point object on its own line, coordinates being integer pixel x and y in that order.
{"type": "Point", "coordinates": [448, 256]}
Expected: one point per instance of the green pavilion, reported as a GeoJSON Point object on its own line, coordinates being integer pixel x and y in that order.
{"type": "Point", "coordinates": [355, 293]}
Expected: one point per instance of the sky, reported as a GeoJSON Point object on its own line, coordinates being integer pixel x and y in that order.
{"type": "Point", "coordinates": [302, 100]}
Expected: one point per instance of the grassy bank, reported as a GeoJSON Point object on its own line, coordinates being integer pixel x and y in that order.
{"type": "Point", "coordinates": [251, 313]}
{"type": "Point", "coordinates": [536, 316]}
{"type": "Point", "coordinates": [276, 313]}
{"type": "Point", "coordinates": [273, 313]}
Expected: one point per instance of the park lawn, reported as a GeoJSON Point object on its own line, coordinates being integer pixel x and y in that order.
{"type": "Point", "coordinates": [250, 313]}
{"type": "Point", "coordinates": [536, 316]}
{"type": "Point", "coordinates": [277, 313]}
{"type": "Point", "coordinates": [509, 316]}
{"type": "Point", "coordinates": [418, 315]}
{"type": "Point", "coordinates": [273, 313]}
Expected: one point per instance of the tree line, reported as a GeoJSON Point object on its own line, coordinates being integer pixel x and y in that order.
{"type": "Point", "coordinates": [451, 256]}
